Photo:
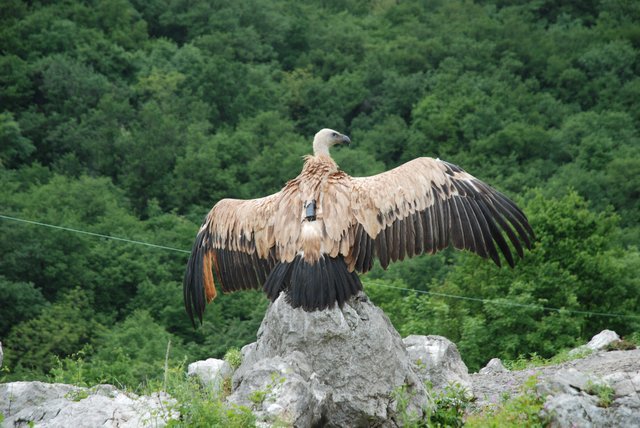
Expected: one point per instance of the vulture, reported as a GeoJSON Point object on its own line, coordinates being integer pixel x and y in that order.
{"type": "Point", "coordinates": [312, 238]}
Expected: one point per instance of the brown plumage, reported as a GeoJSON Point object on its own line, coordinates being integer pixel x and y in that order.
{"type": "Point", "coordinates": [310, 239]}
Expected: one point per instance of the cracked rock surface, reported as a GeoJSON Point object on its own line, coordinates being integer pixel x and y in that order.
{"type": "Point", "coordinates": [571, 389]}
{"type": "Point", "coordinates": [53, 405]}
{"type": "Point", "coordinates": [336, 367]}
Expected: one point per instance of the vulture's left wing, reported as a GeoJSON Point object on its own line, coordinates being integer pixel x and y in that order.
{"type": "Point", "coordinates": [424, 206]}
{"type": "Point", "coordinates": [236, 241]}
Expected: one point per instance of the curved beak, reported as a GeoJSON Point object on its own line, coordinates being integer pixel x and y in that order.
{"type": "Point", "coordinates": [346, 140]}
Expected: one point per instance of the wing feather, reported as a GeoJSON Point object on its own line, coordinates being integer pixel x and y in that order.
{"type": "Point", "coordinates": [236, 243]}
{"type": "Point", "coordinates": [434, 204]}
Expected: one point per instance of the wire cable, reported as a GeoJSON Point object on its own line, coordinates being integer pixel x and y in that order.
{"type": "Point", "coordinates": [116, 238]}
{"type": "Point", "coordinates": [507, 302]}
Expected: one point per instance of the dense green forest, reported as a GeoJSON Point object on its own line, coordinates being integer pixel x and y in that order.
{"type": "Point", "coordinates": [131, 118]}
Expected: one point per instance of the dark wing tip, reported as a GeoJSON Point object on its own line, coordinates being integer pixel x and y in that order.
{"type": "Point", "coordinates": [195, 298]}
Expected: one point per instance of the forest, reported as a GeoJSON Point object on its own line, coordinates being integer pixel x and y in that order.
{"type": "Point", "coordinates": [131, 118]}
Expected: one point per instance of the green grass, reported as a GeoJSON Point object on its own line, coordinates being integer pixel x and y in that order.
{"type": "Point", "coordinates": [202, 406]}
{"type": "Point", "coordinates": [535, 360]}
{"type": "Point", "coordinates": [447, 410]}
{"type": "Point", "coordinates": [522, 410]}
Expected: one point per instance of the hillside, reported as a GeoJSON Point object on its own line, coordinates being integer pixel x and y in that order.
{"type": "Point", "coordinates": [129, 119]}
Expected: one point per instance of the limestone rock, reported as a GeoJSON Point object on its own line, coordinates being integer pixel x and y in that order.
{"type": "Point", "coordinates": [58, 405]}
{"type": "Point", "coordinates": [211, 372]}
{"type": "Point", "coordinates": [337, 367]}
{"type": "Point", "coordinates": [598, 390]}
{"type": "Point", "coordinates": [585, 400]}
{"type": "Point", "coordinates": [569, 381]}
{"type": "Point", "coordinates": [494, 366]}
{"type": "Point", "coordinates": [568, 411]}
{"type": "Point", "coordinates": [602, 339]}
{"type": "Point", "coordinates": [438, 361]}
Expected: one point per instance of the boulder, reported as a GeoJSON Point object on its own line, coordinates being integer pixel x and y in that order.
{"type": "Point", "coordinates": [602, 340]}
{"type": "Point", "coordinates": [575, 399]}
{"type": "Point", "coordinates": [597, 343]}
{"type": "Point", "coordinates": [211, 372]}
{"type": "Point", "coordinates": [494, 366]}
{"type": "Point", "coordinates": [53, 405]}
{"type": "Point", "coordinates": [339, 367]}
{"type": "Point", "coordinates": [438, 361]}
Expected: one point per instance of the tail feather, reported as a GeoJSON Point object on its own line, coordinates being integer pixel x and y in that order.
{"type": "Point", "coordinates": [313, 286]}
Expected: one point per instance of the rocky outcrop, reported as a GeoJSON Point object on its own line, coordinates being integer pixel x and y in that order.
{"type": "Point", "coordinates": [493, 366]}
{"type": "Point", "coordinates": [438, 362]}
{"type": "Point", "coordinates": [338, 367]}
{"type": "Point", "coordinates": [599, 390]}
{"type": "Point", "coordinates": [211, 372]}
{"type": "Point", "coordinates": [53, 405]}
{"type": "Point", "coordinates": [348, 367]}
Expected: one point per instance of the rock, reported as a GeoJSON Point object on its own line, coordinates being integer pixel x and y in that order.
{"type": "Point", "coordinates": [336, 367]}
{"type": "Point", "coordinates": [58, 405]}
{"type": "Point", "coordinates": [602, 339]}
{"type": "Point", "coordinates": [438, 361]}
{"type": "Point", "coordinates": [624, 383]}
{"type": "Point", "coordinates": [279, 393]}
{"type": "Point", "coordinates": [599, 390]}
{"type": "Point", "coordinates": [590, 401]}
{"type": "Point", "coordinates": [494, 366]}
{"type": "Point", "coordinates": [598, 342]}
{"type": "Point", "coordinates": [211, 372]}
{"type": "Point", "coordinates": [568, 381]}
{"type": "Point", "coordinates": [568, 411]}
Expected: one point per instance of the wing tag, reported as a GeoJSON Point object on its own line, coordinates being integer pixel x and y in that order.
{"type": "Point", "coordinates": [310, 210]}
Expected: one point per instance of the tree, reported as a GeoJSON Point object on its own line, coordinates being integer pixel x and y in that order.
{"type": "Point", "coordinates": [60, 330]}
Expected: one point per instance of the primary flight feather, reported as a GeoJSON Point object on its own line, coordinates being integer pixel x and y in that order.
{"type": "Point", "coordinates": [310, 239]}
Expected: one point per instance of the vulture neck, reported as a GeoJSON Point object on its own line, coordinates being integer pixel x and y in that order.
{"type": "Point", "coordinates": [321, 148]}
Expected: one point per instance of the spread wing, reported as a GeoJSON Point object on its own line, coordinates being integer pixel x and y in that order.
{"type": "Point", "coordinates": [236, 241]}
{"type": "Point", "coordinates": [425, 205]}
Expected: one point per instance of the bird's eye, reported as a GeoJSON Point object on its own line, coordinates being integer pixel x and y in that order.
{"type": "Point", "coordinates": [334, 134]}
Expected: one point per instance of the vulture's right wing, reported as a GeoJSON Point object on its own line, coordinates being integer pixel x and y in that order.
{"type": "Point", "coordinates": [236, 241]}
{"type": "Point", "coordinates": [426, 204]}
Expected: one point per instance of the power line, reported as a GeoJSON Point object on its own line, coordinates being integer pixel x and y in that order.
{"type": "Point", "coordinates": [508, 302]}
{"type": "Point", "coordinates": [433, 293]}
{"type": "Point", "coordinates": [115, 238]}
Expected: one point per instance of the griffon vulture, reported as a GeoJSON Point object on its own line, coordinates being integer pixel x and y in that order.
{"type": "Point", "coordinates": [310, 239]}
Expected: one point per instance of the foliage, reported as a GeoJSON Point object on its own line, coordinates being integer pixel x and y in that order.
{"type": "Point", "coordinates": [200, 406]}
{"type": "Point", "coordinates": [451, 404]}
{"type": "Point", "coordinates": [233, 357]}
{"type": "Point", "coordinates": [603, 391]}
{"type": "Point", "coordinates": [535, 360]}
{"type": "Point", "coordinates": [131, 119]}
{"type": "Point", "coordinates": [59, 330]}
{"type": "Point", "coordinates": [447, 409]}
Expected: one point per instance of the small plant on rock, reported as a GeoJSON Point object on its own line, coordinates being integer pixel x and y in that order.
{"type": "Point", "coordinates": [519, 411]}
{"type": "Point", "coordinates": [450, 406]}
{"type": "Point", "coordinates": [603, 391]}
{"type": "Point", "coordinates": [233, 357]}
{"type": "Point", "coordinates": [621, 345]}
